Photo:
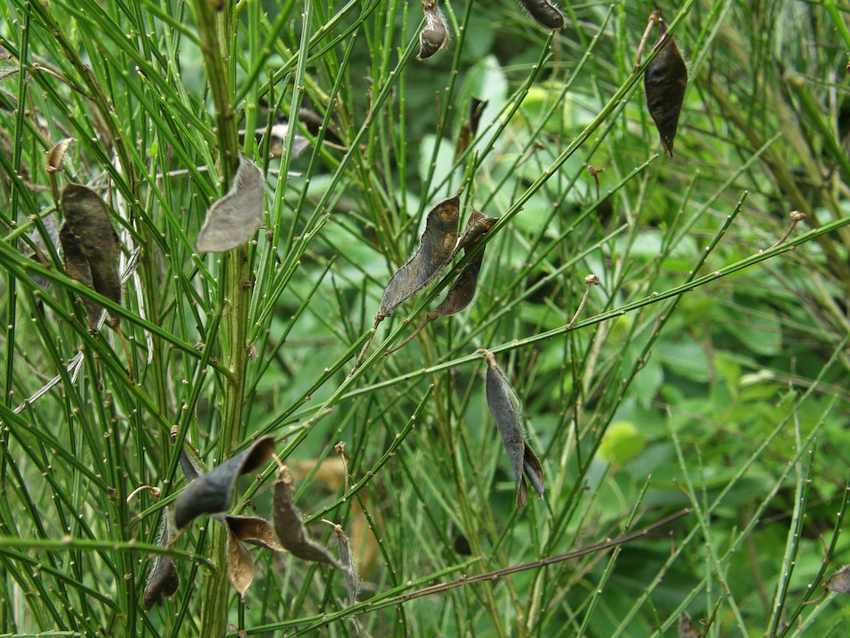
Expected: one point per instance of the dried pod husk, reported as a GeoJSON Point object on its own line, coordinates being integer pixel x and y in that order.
{"type": "Point", "coordinates": [88, 235]}
{"type": "Point", "coordinates": [470, 127]}
{"type": "Point", "coordinates": [188, 465]}
{"type": "Point", "coordinates": [212, 493]}
{"type": "Point", "coordinates": [505, 408]}
{"type": "Point", "coordinates": [277, 140]}
{"type": "Point", "coordinates": [687, 628]}
{"type": "Point", "coordinates": [545, 13]}
{"type": "Point", "coordinates": [254, 530]}
{"type": "Point", "coordinates": [289, 528]}
{"type": "Point", "coordinates": [162, 580]}
{"type": "Point", "coordinates": [839, 582]}
{"type": "Point", "coordinates": [232, 220]}
{"type": "Point", "coordinates": [462, 292]}
{"type": "Point", "coordinates": [240, 567]}
{"type": "Point", "coordinates": [665, 81]}
{"type": "Point", "coordinates": [56, 154]}
{"type": "Point", "coordinates": [436, 247]}
{"type": "Point", "coordinates": [435, 34]}
{"type": "Point", "coordinates": [352, 581]}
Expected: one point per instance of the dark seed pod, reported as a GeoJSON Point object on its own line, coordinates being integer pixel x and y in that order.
{"type": "Point", "coordinates": [88, 236]}
{"type": "Point", "coordinates": [163, 580]}
{"type": "Point", "coordinates": [289, 528]}
{"type": "Point", "coordinates": [839, 582]}
{"type": "Point", "coordinates": [505, 408]}
{"type": "Point", "coordinates": [545, 12]}
{"type": "Point", "coordinates": [435, 34]}
{"type": "Point", "coordinates": [462, 292]}
{"type": "Point", "coordinates": [470, 127]}
{"type": "Point", "coordinates": [212, 493]}
{"type": "Point", "coordinates": [665, 81]}
{"type": "Point", "coordinates": [435, 249]}
{"type": "Point", "coordinates": [232, 220]}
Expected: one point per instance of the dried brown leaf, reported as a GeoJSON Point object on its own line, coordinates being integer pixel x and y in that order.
{"type": "Point", "coordinates": [665, 81]}
{"type": "Point", "coordinates": [435, 33]}
{"type": "Point", "coordinates": [254, 530]}
{"type": "Point", "coordinates": [212, 493]}
{"type": "Point", "coordinates": [240, 567]}
{"type": "Point", "coordinates": [436, 247]}
{"type": "Point", "coordinates": [839, 582]}
{"type": "Point", "coordinates": [88, 234]}
{"type": "Point", "coordinates": [289, 527]}
{"type": "Point", "coordinates": [505, 408]}
{"type": "Point", "coordinates": [232, 220]}
{"type": "Point", "coordinates": [162, 580]}
{"type": "Point", "coordinates": [545, 12]}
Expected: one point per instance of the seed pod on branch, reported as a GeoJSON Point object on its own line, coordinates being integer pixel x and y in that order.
{"type": "Point", "coordinates": [435, 34]}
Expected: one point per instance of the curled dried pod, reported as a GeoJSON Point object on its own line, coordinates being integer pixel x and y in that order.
{"type": "Point", "coordinates": [839, 582]}
{"type": "Point", "coordinates": [505, 408]}
{"type": "Point", "coordinates": [212, 493]}
{"type": "Point", "coordinates": [289, 527]}
{"type": "Point", "coordinates": [90, 245]}
{"type": "Point", "coordinates": [665, 81]}
{"type": "Point", "coordinates": [546, 13]}
{"type": "Point", "coordinates": [162, 580]}
{"type": "Point", "coordinates": [462, 292]}
{"type": "Point", "coordinates": [435, 34]}
{"type": "Point", "coordinates": [436, 247]}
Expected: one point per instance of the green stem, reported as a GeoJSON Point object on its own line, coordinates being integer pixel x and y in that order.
{"type": "Point", "coordinates": [235, 294]}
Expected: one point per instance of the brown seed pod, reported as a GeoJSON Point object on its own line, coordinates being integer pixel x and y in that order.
{"type": "Point", "coordinates": [545, 12]}
{"type": "Point", "coordinates": [289, 528]}
{"type": "Point", "coordinates": [435, 34]}
{"type": "Point", "coordinates": [162, 580]}
{"type": "Point", "coordinates": [212, 493]}
{"type": "Point", "coordinates": [88, 236]}
{"type": "Point", "coordinates": [462, 292]}
{"type": "Point", "coordinates": [665, 81]}
{"type": "Point", "coordinates": [505, 408]}
{"type": "Point", "coordinates": [470, 127]}
{"type": "Point", "coordinates": [435, 249]}
{"type": "Point", "coordinates": [232, 220]}
{"type": "Point", "coordinates": [839, 582]}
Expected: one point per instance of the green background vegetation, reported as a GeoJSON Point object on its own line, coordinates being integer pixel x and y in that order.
{"type": "Point", "coordinates": [724, 390]}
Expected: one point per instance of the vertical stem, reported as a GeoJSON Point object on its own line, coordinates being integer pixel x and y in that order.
{"type": "Point", "coordinates": [214, 31]}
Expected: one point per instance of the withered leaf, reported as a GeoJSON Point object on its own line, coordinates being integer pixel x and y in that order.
{"type": "Point", "coordinates": [435, 249]}
{"type": "Point", "coordinates": [687, 628]}
{"type": "Point", "coordinates": [254, 530]}
{"type": "Point", "coordinates": [240, 567]}
{"type": "Point", "coordinates": [545, 12]}
{"type": "Point", "coordinates": [665, 81]}
{"type": "Point", "coordinates": [163, 580]}
{"type": "Point", "coordinates": [505, 408]}
{"type": "Point", "coordinates": [839, 582]}
{"type": "Point", "coordinates": [462, 291]}
{"type": "Point", "coordinates": [212, 493]}
{"type": "Point", "coordinates": [435, 33]}
{"type": "Point", "coordinates": [289, 528]}
{"type": "Point", "coordinates": [233, 219]}
{"type": "Point", "coordinates": [88, 236]}
{"type": "Point", "coordinates": [470, 127]}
